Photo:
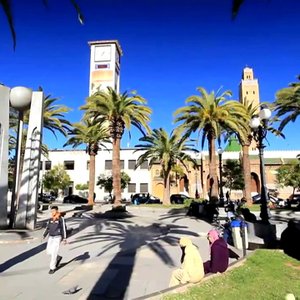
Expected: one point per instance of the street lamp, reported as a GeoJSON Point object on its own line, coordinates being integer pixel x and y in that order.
{"type": "Point", "coordinates": [196, 181]}
{"type": "Point", "coordinates": [220, 152]}
{"type": "Point", "coordinates": [259, 128]}
{"type": "Point", "coordinates": [202, 176]}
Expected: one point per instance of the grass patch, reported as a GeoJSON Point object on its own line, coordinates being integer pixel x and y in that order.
{"type": "Point", "coordinates": [267, 274]}
{"type": "Point", "coordinates": [254, 207]}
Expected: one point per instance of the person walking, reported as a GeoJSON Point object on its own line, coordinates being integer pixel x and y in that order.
{"type": "Point", "coordinates": [191, 269]}
{"type": "Point", "coordinates": [56, 229]}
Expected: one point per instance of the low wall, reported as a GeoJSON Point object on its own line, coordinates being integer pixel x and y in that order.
{"type": "Point", "coordinates": [184, 287]}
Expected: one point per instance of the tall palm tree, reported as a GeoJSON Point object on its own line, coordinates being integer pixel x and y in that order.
{"type": "Point", "coordinates": [93, 134]}
{"type": "Point", "coordinates": [245, 141]}
{"type": "Point", "coordinates": [121, 111]}
{"type": "Point", "coordinates": [287, 104]}
{"type": "Point", "coordinates": [211, 114]}
{"type": "Point", "coordinates": [167, 150]}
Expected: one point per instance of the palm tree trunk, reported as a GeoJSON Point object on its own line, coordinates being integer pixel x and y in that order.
{"type": "Point", "coordinates": [247, 174]}
{"type": "Point", "coordinates": [166, 197]}
{"type": "Point", "coordinates": [92, 179]}
{"type": "Point", "coordinates": [213, 179]}
{"type": "Point", "coordinates": [116, 172]}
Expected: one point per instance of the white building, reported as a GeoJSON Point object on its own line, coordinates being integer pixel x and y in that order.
{"type": "Point", "coordinates": [76, 162]}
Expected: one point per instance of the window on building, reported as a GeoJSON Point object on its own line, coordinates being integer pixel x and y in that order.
{"type": "Point", "coordinates": [131, 164]}
{"type": "Point", "coordinates": [253, 92]}
{"type": "Point", "coordinates": [122, 164]}
{"type": "Point", "coordinates": [132, 188]}
{"type": "Point", "coordinates": [48, 165]}
{"type": "Point", "coordinates": [246, 92]}
{"type": "Point", "coordinates": [41, 165]}
{"type": "Point", "coordinates": [108, 165]}
{"type": "Point", "coordinates": [144, 165]}
{"type": "Point", "coordinates": [143, 187]}
{"type": "Point", "coordinates": [88, 165]}
{"type": "Point", "coordinates": [69, 164]}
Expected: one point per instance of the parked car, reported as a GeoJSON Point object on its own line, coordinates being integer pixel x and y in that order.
{"type": "Point", "coordinates": [145, 198]}
{"type": "Point", "coordinates": [294, 199]}
{"type": "Point", "coordinates": [178, 198]}
{"type": "Point", "coordinates": [109, 199]}
{"type": "Point", "coordinates": [278, 202]}
{"type": "Point", "coordinates": [74, 199]}
{"type": "Point", "coordinates": [46, 198]}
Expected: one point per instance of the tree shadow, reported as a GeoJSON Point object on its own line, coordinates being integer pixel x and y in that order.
{"type": "Point", "coordinates": [177, 214]}
{"type": "Point", "coordinates": [39, 248]}
{"type": "Point", "coordinates": [127, 238]}
{"type": "Point", "coordinates": [81, 258]}
{"type": "Point", "coordinates": [22, 257]}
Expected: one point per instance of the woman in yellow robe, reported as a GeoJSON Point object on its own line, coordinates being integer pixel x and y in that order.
{"type": "Point", "coordinates": [191, 269]}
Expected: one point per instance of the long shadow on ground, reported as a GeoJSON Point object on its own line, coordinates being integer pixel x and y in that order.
{"type": "Point", "coordinates": [39, 248]}
{"type": "Point", "coordinates": [127, 238]}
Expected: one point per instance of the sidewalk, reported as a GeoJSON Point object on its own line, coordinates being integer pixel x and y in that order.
{"type": "Point", "coordinates": [104, 258]}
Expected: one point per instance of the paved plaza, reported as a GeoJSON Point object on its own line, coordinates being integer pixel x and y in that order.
{"type": "Point", "coordinates": [105, 258]}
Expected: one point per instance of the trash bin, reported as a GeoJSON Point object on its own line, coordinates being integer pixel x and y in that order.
{"type": "Point", "coordinates": [239, 234]}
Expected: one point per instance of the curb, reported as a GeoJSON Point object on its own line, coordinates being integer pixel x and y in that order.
{"type": "Point", "coordinates": [183, 288]}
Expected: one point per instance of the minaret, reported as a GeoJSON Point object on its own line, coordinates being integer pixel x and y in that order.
{"type": "Point", "coordinates": [105, 65]}
{"type": "Point", "coordinates": [249, 91]}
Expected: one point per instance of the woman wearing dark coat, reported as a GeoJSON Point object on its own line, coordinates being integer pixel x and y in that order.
{"type": "Point", "coordinates": [219, 254]}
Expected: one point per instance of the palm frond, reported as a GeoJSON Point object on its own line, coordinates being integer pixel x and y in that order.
{"type": "Point", "coordinates": [8, 13]}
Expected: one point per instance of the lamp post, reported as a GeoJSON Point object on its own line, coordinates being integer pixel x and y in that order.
{"type": "Point", "coordinates": [259, 128]}
{"type": "Point", "coordinates": [202, 175]}
{"type": "Point", "coordinates": [221, 196]}
{"type": "Point", "coordinates": [196, 181]}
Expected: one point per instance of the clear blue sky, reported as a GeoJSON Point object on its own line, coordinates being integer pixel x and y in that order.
{"type": "Point", "coordinates": [170, 48]}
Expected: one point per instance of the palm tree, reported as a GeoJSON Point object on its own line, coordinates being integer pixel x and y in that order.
{"type": "Point", "coordinates": [167, 150]}
{"type": "Point", "coordinates": [121, 111]}
{"type": "Point", "coordinates": [93, 134]}
{"type": "Point", "coordinates": [53, 116]}
{"type": "Point", "coordinates": [245, 141]}
{"type": "Point", "coordinates": [210, 114]}
{"type": "Point", "coordinates": [287, 104]}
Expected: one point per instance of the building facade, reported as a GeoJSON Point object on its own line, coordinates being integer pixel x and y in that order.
{"type": "Point", "coordinates": [145, 180]}
{"type": "Point", "coordinates": [76, 163]}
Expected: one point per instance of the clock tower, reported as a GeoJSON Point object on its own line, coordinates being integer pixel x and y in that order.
{"type": "Point", "coordinates": [104, 65]}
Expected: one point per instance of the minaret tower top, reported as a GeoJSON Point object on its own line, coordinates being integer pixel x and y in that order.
{"type": "Point", "coordinates": [249, 88]}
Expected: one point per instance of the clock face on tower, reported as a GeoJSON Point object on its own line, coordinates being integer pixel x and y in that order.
{"type": "Point", "coordinates": [102, 53]}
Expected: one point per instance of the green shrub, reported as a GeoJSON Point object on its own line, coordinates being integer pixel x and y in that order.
{"type": "Point", "coordinates": [187, 202]}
